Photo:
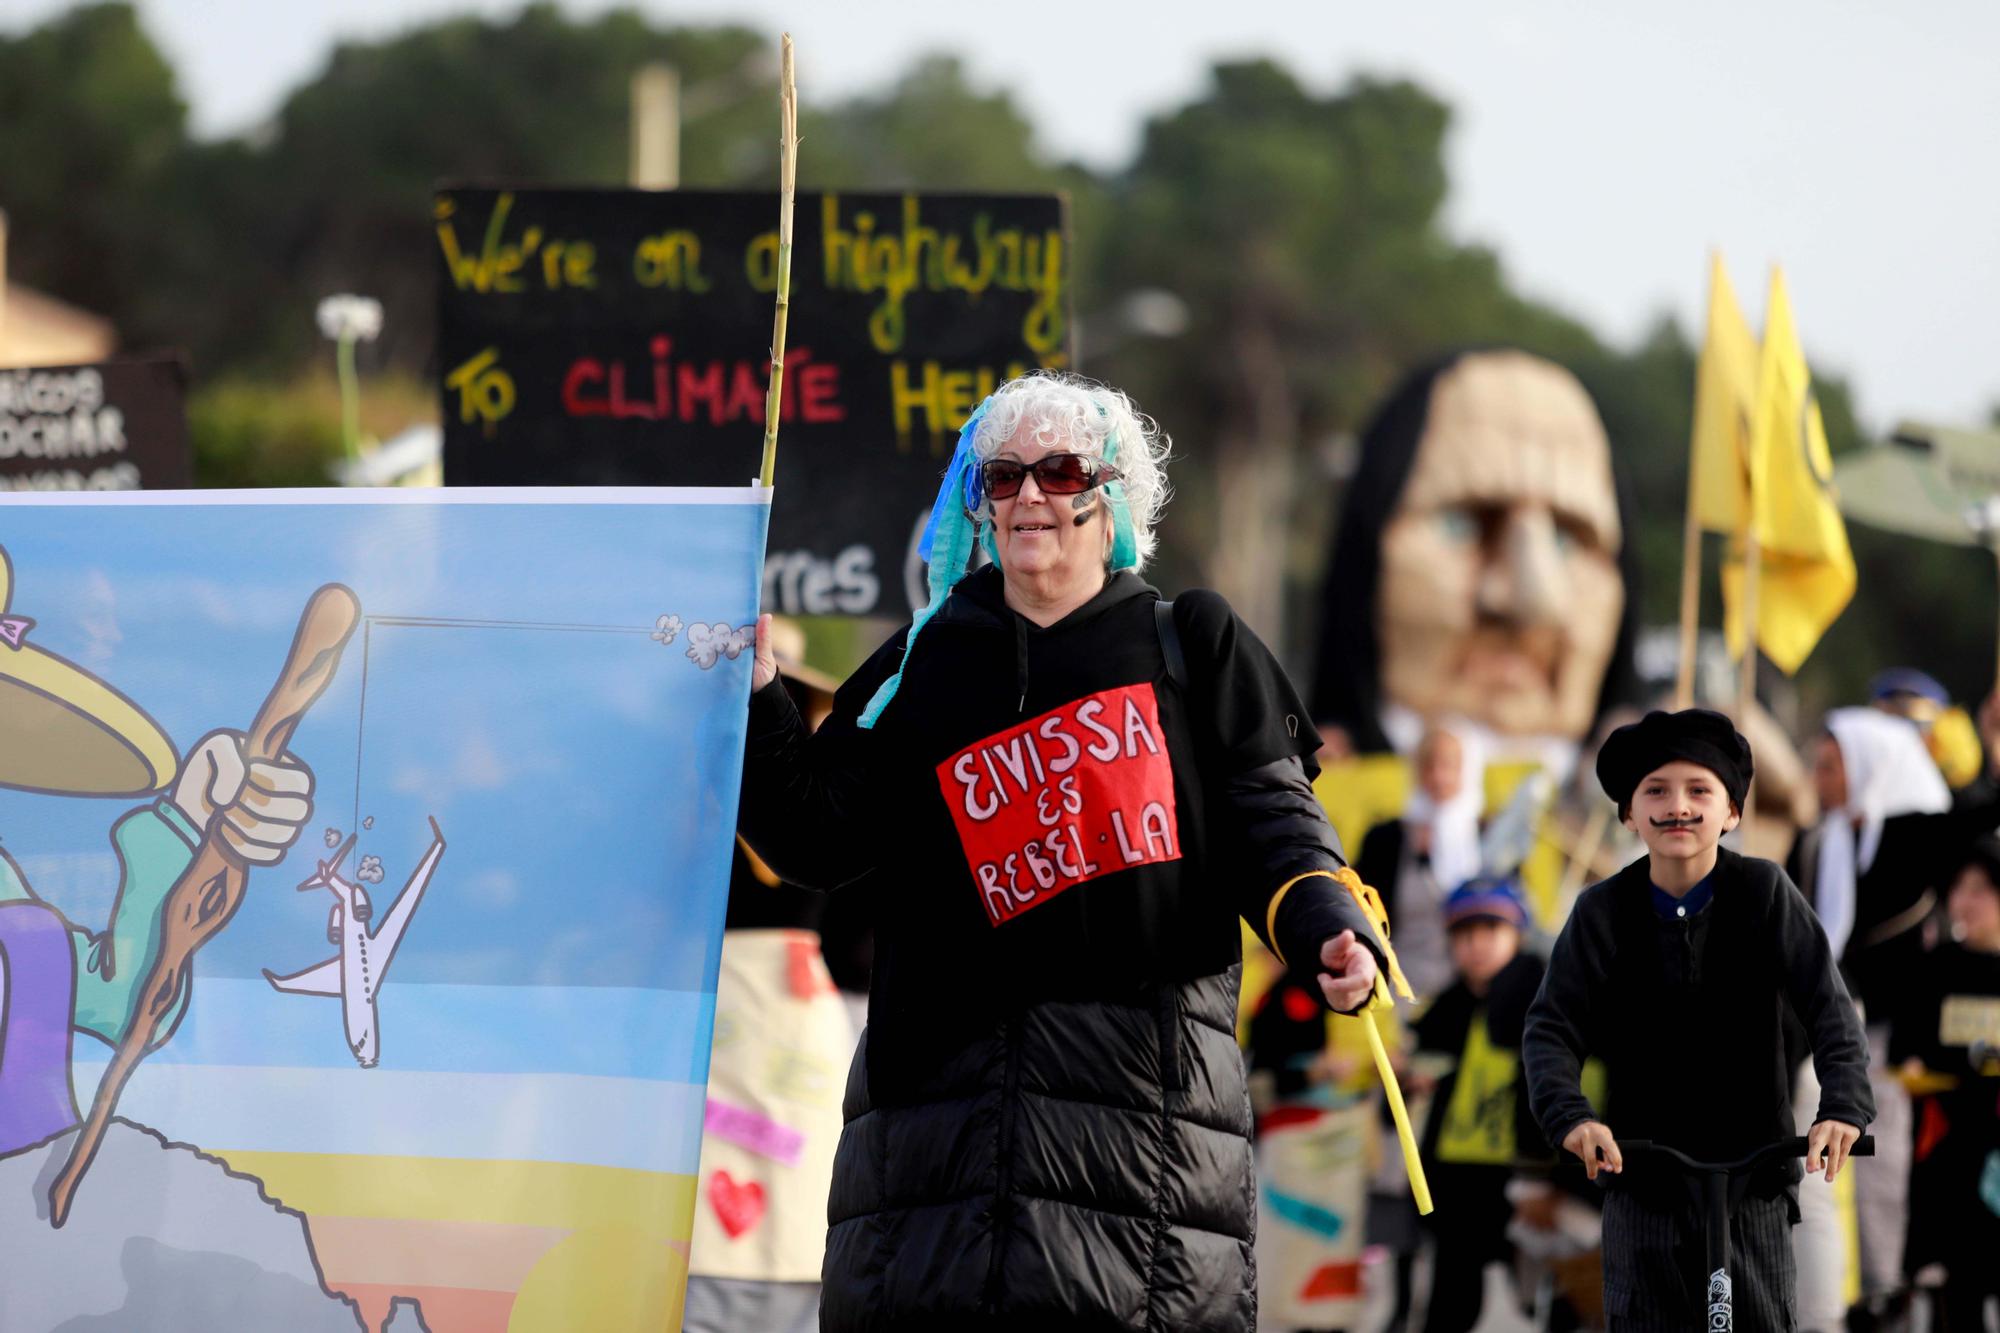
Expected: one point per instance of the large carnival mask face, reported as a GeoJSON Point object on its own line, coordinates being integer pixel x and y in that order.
{"type": "Point", "coordinates": [1500, 595]}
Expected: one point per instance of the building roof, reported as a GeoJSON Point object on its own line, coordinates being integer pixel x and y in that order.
{"type": "Point", "coordinates": [38, 330]}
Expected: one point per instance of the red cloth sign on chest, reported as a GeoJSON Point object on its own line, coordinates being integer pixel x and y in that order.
{"type": "Point", "coordinates": [1081, 791]}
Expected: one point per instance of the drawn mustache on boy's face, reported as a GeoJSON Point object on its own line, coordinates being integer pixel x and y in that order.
{"type": "Point", "coordinates": [1664, 825]}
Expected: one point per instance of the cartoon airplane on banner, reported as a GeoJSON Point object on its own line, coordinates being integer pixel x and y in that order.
{"type": "Point", "coordinates": [355, 974]}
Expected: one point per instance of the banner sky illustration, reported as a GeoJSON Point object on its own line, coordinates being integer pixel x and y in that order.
{"type": "Point", "coordinates": [532, 1127]}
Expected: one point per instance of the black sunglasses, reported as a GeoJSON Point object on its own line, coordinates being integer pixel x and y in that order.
{"type": "Point", "coordinates": [1055, 474]}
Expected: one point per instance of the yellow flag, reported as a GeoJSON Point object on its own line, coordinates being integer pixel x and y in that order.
{"type": "Point", "coordinates": [1807, 574]}
{"type": "Point", "coordinates": [1725, 394]}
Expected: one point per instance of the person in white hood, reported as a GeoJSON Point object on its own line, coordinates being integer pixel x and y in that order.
{"type": "Point", "coordinates": [1870, 767]}
{"type": "Point", "coordinates": [1415, 862]}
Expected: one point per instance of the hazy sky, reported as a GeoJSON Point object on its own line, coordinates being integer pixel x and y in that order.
{"type": "Point", "coordinates": [1601, 149]}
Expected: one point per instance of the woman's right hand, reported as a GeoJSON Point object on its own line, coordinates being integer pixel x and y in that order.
{"type": "Point", "coordinates": [764, 668]}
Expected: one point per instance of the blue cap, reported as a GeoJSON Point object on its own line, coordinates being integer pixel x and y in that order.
{"type": "Point", "coordinates": [1907, 680]}
{"type": "Point", "coordinates": [1487, 898]}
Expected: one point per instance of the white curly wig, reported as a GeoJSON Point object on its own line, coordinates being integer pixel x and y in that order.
{"type": "Point", "coordinates": [1061, 410]}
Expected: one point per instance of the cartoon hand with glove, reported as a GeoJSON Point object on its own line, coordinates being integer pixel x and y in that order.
{"type": "Point", "coordinates": [263, 805]}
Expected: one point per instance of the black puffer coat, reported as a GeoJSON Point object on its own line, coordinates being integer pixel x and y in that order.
{"type": "Point", "coordinates": [1048, 1126]}
{"type": "Point", "coordinates": [1086, 1165]}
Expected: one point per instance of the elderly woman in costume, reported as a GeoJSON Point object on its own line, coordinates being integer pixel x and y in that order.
{"type": "Point", "coordinates": [1066, 792]}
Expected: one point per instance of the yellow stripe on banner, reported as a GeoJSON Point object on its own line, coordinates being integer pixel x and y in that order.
{"type": "Point", "coordinates": [436, 1189]}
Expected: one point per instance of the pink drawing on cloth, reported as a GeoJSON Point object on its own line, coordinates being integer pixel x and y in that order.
{"type": "Point", "coordinates": [752, 1130]}
{"type": "Point", "coordinates": [13, 629]}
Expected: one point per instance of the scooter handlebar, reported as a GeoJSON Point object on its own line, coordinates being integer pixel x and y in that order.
{"type": "Point", "coordinates": [1793, 1147]}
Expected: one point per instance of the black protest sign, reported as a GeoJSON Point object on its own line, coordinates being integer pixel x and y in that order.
{"type": "Point", "coordinates": [117, 426]}
{"type": "Point", "coordinates": [622, 337]}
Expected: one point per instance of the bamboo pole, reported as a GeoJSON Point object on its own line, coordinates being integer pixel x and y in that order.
{"type": "Point", "coordinates": [1746, 689]}
{"type": "Point", "coordinates": [1583, 853]}
{"type": "Point", "coordinates": [788, 166]}
{"type": "Point", "coordinates": [1690, 590]}
{"type": "Point", "coordinates": [1993, 545]}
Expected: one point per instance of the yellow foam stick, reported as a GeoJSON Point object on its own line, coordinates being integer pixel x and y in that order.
{"type": "Point", "coordinates": [1371, 906]}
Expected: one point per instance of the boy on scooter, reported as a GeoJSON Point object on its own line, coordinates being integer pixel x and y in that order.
{"type": "Point", "coordinates": [1674, 972]}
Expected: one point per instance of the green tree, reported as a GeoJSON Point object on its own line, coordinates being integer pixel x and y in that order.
{"type": "Point", "coordinates": [933, 130]}
{"type": "Point", "coordinates": [343, 182]}
{"type": "Point", "coordinates": [1303, 233]}
{"type": "Point", "coordinates": [929, 130]}
{"type": "Point", "coordinates": [90, 123]}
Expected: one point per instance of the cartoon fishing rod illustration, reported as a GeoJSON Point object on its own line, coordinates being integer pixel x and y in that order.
{"type": "Point", "coordinates": [245, 807]}
{"type": "Point", "coordinates": [354, 976]}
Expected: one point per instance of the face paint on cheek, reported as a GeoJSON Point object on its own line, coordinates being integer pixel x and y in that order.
{"type": "Point", "coordinates": [1086, 507]}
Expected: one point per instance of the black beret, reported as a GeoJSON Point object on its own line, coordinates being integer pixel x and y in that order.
{"type": "Point", "coordinates": [1698, 735]}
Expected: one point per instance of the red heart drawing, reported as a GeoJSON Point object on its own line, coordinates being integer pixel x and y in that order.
{"type": "Point", "coordinates": [737, 1207]}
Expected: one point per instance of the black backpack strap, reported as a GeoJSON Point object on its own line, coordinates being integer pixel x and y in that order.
{"type": "Point", "coordinates": [1170, 642]}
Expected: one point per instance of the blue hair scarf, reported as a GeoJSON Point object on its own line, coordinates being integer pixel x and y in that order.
{"type": "Point", "coordinates": [1124, 541]}
{"type": "Point", "coordinates": [950, 536]}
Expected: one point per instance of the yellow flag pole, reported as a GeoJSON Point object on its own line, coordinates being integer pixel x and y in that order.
{"type": "Point", "coordinates": [1746, 690]}
{"type": "Point", "coordinates": [788, 171]}
{"type": "Point", "coordinates": [1581, 854]}
{"type": "Point", "coordinates": [1996, 672]}
{"type": "Point", "coordinates": [1690, 589]}
{"type": "Point", "coordinates": [1993, 548]}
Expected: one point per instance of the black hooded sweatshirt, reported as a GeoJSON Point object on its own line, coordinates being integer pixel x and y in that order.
{"type": "Point", "coordinates": [1048, 1121]}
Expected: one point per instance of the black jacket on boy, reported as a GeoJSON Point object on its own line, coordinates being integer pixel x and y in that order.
{"type": "Point", "coordinates": [1687, 1017]}
{"type": "Point", "coordinates": [1048, 1124]}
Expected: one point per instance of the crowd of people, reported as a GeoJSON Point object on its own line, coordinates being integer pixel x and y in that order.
{"type": "Point", "coordinates": [1084, 1097]}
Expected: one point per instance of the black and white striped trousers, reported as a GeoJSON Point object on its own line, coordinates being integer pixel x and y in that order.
{"type": "Point", "coordinates": [1654, 1278]}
